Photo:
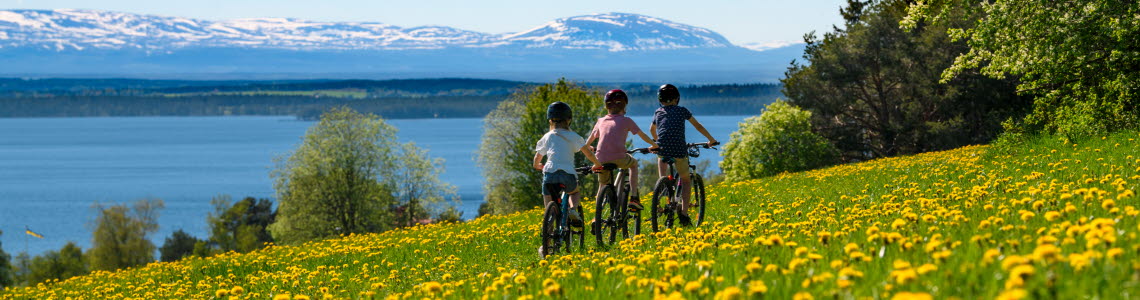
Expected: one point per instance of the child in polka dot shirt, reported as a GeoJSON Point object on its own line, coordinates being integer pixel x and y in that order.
{"type": "Point", "coordinates": [669, 131]}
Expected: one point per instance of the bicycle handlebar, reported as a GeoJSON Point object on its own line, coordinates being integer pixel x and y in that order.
{"type": "Point", "coordinates": [639, 150]}
{"type": "Point", "coordinates": [705, 145]}
{"type": "Point", "coordinates": [584, 170]}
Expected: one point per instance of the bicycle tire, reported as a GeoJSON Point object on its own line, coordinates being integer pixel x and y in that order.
{"type": "Point", "coordinates": [581, 234]}
{"type": "Point", "coordinates": [663, 188]}
{"type": "Point", "coordinates": [604, 216]}
{"type": "Point", "coordinates": [699, 198]}
{"type": "Point", "coordinates": [549, 230]}
{"type": "Point", "coordinates": [623, 210]}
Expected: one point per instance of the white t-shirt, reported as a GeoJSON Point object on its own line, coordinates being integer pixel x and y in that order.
{"type": "Point", "coordinates": [559, 150]}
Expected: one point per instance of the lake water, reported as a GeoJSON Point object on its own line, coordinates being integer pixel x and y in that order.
{"type": "Point", "coordinates": [52, 170]}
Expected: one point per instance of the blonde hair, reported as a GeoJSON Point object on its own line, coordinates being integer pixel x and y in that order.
{"type": "Point", "coordinates": [559, 123]}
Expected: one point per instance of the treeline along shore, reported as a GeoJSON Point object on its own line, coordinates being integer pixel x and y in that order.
{"type": "Point", "coordinates": [398, 99]}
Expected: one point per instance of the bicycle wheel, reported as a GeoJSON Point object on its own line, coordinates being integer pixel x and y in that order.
{"type": "Point", "coordinates": [622, 211]}
{"type": "Point", "coordinates": [549, 229]}
{"type": "Point", "coordinates": [604, 212]}
{"type": "Point", "coordinates": [581, 233]}
{"type": "Point", "coordinates": [663, 190]}
{"type": "Point", "coordinates": [699, 198]}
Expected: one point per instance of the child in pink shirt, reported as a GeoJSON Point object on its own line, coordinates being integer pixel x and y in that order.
{"type": "Point", "coordinates": [611, 132]}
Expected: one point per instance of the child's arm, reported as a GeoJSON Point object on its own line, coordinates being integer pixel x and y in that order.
{"type": "Point", "coordinates": [701, 129]}
{"type": "Point", "coordinates": [593, 136]}
{"type": "Point", "coordinates": [538, 161]}
{"type": "Point", "coordinates": [590, 155]}
{"type": "Point", "coordinates": [653, 130]}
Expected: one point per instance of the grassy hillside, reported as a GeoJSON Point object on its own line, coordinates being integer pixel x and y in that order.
{"type": "Point", "coordinates": [1052, 220]}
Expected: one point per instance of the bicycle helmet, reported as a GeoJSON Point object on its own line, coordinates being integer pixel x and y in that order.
{"type": "Point", "coordinates": [559, 111]}
{"type": "Point", "coordinates": [616, 95]}
{"type": "Point", "coordinates": [667, 93]}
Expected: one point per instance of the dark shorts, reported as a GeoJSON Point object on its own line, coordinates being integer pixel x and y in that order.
{"type": "Point", "coordinates": [559, 177]}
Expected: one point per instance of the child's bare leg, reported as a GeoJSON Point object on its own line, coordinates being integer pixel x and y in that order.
{"type": "Point", "coordinates": [546, 199]}
{"type": "Point", "coordinates": [633, 179]}
{"type": "Point", "coordinates": [662, 167]}
{"type": "Point", "coordinates": [575, 198]}
{"type": "Point", "coordinates": [686, 189]}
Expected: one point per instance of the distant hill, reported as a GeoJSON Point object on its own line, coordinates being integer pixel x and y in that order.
{"type": "Point", "coordinates": [405, 98]}
{"type": "Point", "coordinates": [600, 47]}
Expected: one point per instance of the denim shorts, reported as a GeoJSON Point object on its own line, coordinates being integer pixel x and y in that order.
{"type": "Point", "coordinates": [559, 177]}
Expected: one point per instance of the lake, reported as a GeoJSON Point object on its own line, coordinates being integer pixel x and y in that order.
{"type": "Point", "coordinates": [52, 170]}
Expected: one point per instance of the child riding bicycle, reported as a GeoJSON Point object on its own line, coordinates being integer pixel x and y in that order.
{"type": "Point", "coordinates": [559, 144]}
{"type": "Point", "coordinates": [669, 131]}
{"type": "Point", "coordinates": [611, 131]}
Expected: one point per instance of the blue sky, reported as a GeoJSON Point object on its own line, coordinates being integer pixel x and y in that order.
{"type": "Point", "coordinates": [742, 22]}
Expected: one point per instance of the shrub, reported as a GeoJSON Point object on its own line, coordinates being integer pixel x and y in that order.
{"type": "Point", "coordinates": [779, 140]}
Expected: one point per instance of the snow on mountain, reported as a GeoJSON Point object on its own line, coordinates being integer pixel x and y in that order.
{"type": "Point", "coordinates": [618, 32]}
{"type": "Point", "coordinates": [762, 46]}
{"type": "Point", "coordinates": [87, 29]}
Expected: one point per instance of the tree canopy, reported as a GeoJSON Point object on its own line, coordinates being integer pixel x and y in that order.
{"type": "Point", "coordinates": [120, 237]}
{"type": "Point", "coordinates": [349, 175]}
{"type": "Point", "coordinates": [510, 133]}
{"type": "Point", "coordinates": [874, 90]}
{"type": "Point", "coordinates": [1080, 59]}
{"type": "Point", "coordinates": [338, 180]}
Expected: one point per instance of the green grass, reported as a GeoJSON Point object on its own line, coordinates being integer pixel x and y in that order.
{"type": "Point", "coordinates": [927, 224]}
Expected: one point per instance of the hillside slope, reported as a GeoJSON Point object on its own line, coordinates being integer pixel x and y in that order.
{"type": "Point", "coordinates": [1052, 220]}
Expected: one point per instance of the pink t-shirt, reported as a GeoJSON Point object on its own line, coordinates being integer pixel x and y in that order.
{"type": "Point", "coordinates": [611, 132]}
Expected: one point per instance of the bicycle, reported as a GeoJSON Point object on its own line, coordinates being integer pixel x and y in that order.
{"type": "Point", "coordinates": [556, 231]}
{"type": "Point", "coordinates": [610, 212]}
{"type": "Point", "coordinates": [669, 187]}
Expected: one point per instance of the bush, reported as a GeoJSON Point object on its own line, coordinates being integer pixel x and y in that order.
{"type": "Point", "coordinates": [779, 140]}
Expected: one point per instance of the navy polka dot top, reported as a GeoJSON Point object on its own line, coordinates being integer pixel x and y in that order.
{"type": "Point", "coordinates": [670, 121]}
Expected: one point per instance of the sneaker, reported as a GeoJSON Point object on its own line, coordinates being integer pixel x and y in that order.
{"type": "Point", "coordinates": [634, 204]}
{"type": "Point", "coordinates": [685, 220]}
{"type": "Point", "coordinates": [575, 219]}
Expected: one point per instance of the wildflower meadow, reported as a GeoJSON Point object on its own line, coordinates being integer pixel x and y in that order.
{"type": "Point", "coordinates": [1051, 219]}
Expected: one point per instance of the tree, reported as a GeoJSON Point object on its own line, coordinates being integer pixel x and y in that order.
{"type": "Point", "coordinates": [6, 271]}
{"type": "Point", "coordinates": [240, 226]}
{"type": "Point", "coordinates": [338, 181]}
{"type": "Point", "coordinates": [1081, 58]}
{"type": "Point", "coordinates": [21, 267]}
{"type": "Point", "coordinates": [779, 140]}
{"type": "Point", "coordinates": [510, 133]}
{"type": "Point", "coordinates": [57, 265]}
{"type": "Point", "coordinates": [874, 89]}
{"type": "Point", "coordinates": [120, 236]}
{"type": "Point", "coordinates": [418, 185]}
{"type": "Point", "coordinates": [177, 246]}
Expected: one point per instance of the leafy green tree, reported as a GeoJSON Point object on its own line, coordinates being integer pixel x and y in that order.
{"type": "Point", "coordinates": [449, 215]}
{"type": "Point", "coordinates": [21, 267]}
{"type": "Point", "coordinates": [66, 263]}
{"type": "Point", "coordinates": [874, 89]}
{"type": "Point", "coordinates": [6, 271]}
{"type": "Point", "coordinates": [779, 140]}
{"type": "Point", "coordinates": [239, 226]}
{"type": "Point", "coordinates": [338, 181]}
{"type": "Point", "coordinates": [510, 133]}
{"type": "Point", "coordinates": [417, 184]}
{"type": "Point", "coordinates": [120, 236]}
{"type": "Point", "coordinates": [177, 246]}
{"type": "Point", "coordinates": [1080, 58]}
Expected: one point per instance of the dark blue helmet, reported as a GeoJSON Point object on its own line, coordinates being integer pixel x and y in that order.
{"type": "Point", "coordinates": [559, 111]}
{"type": "Point", "coordinates": [667, 93]}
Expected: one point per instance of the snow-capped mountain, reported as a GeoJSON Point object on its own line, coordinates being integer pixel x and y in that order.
{"type": "Point", "coordinates": [85, 29]}
{"type": "Point", "coordinates": [613, 46]}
